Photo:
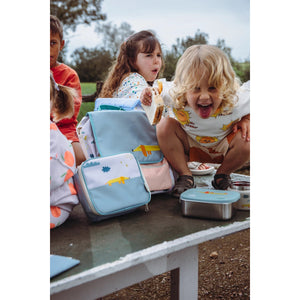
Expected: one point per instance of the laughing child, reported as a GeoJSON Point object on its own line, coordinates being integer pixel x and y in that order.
{"type": "Point", "coordinates": [210, 117]}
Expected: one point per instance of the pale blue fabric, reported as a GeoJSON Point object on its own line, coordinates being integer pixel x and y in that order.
{"type": "Point", "coordinates": [125, 131]}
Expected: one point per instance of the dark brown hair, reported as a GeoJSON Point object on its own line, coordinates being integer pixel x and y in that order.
{"type": "Point", "coordinates": [141, 42]}
{"type": "Point", "coordinates": [56, 27]}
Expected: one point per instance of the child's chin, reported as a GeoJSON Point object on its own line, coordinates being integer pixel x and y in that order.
{"type": "Point", "coordinates": [203, 117]}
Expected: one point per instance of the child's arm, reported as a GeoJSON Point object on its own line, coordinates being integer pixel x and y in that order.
{"type": "Point", "coordinates": [146, 96]}
{"type": "Point", "coordinates": [244, 125]}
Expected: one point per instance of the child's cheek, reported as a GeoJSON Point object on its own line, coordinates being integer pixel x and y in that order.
{"type": "Point", "coordinates": [192, 103]}
{"type": "Point", "coordinates": [217, 102]}
{"type": "Point", "coordinates": [189, 99]}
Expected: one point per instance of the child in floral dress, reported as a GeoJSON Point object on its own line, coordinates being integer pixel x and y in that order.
{"type": "Point", "coordinates": [138, 64]}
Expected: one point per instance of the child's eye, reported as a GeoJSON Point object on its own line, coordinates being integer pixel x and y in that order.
{"type": "Point", "coordinates": [52, 43]}
{"type": "Point", "coordinates": [212, 88]}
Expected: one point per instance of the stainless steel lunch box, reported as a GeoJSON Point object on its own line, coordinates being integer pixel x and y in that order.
{"type": "Point", "coordinates": [243, 187]}
{"type": "Point", "coordinates": [209, 203]}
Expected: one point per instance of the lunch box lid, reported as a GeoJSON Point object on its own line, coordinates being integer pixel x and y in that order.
{"type": "Point", "coordinates": [210, 196]}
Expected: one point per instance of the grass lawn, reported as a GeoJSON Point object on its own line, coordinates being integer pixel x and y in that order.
{"type": "Point", "coordinates": [85, 107]}
{"type": "Point", "coordinates": [87, 88]}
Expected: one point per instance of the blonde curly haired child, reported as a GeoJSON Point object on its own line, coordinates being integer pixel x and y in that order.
{"type": "Point", "coordinates": [208, 118]}
{"type": "Point", "coordinates": [221, 76]}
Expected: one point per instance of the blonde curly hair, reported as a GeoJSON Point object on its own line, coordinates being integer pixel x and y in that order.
{"type": "Point", "coordinates": [194, 63]}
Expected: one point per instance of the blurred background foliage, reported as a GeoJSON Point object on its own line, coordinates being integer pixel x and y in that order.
{"type": "Point", "coordinates": [93, 64]}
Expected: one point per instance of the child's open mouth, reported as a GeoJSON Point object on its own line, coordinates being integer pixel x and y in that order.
{"type": "Point", "coordinates": [204, 110]}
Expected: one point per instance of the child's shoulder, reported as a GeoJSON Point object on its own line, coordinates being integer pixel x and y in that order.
{"type": "Point", "coordinates": [63, 68]}
{"type": "Point", "coordinates": [245, 87]}
{"type": "Point", "coordinates": [135, 77]}
{"type": "Point", "coordinates": [65, 75]}
{"type": "Point", "coordinates": [244, 92]}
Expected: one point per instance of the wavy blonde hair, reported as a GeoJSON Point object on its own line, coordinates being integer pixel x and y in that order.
{"type": "Point", "coordinates": [140, 42]}
{"type": "Point", "coordinates": [194, 63]}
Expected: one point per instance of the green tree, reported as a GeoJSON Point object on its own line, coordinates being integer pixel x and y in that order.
{"type": "Point", "coordinates": [114, 36]}
{"type": "Point", "coordinates": [222, 45]}
{"type": "Point", "coordinates": [170, 64]}
{"type": "Point", "coordinates": [75, 12]}
{"type": "Point", "coordinates": [171, 57]}
{"type": "Point", "coordinates": [183, 43]}
{"type": "Point", "coordinates": [91, 65]}
{"type": "Point", "coordinates": [241, 69]}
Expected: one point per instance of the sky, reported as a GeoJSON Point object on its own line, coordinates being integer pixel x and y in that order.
{"type": "Point", "coordinates": [172, 19]}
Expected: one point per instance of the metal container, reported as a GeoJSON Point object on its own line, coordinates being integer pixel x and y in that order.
{"type": "Point", "coordinates": [209, 203]}
{"type": "Point", "coordinates": [243, 187]}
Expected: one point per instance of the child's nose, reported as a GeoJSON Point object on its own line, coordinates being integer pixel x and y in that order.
{"type": "Point", "coordinates": [204, 95]}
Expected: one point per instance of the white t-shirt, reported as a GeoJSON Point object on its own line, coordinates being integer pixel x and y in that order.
{"type": "Point", "coordinates": [211, 131]}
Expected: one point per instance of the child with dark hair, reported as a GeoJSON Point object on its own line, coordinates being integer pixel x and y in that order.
{"type": "Point", "coordinates": [65, 76]}
{"type": "Point", "coordinates": [138, 64]}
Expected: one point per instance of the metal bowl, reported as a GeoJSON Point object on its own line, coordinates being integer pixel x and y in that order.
{"type": "Point", "coordinates": [240, 185]}
{"type": "Point", "coordinates": [243, 187]}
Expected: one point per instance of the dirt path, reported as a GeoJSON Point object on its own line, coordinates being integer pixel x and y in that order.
{"type": "Point", "coordinates": [224, 273]}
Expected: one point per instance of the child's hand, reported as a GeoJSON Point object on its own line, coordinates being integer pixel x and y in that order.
{"type": "Point", "coordinates": [244, 125]}
{"type": "Point", "coordinates": [146, 96]}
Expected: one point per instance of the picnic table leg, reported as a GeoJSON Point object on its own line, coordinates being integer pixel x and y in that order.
{"type": "Point", "coordinates": [175, 284]}
{"type": "Point", "coordinates": [183, 265]}
{"type": "Point", "coordinates": [184, 280]}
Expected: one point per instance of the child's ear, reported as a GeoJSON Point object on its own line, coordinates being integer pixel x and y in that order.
{"type": "Point", "coordinates": [62, 44]}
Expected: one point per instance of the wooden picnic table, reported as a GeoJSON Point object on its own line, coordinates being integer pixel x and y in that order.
{"type": "Point", "coordinates": [122, 251]}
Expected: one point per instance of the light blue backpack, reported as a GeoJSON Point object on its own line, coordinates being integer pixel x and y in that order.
{"type": "Point", "coordinates": [118, 132]}
{"type": "Point", "coordinates": [108, 131]}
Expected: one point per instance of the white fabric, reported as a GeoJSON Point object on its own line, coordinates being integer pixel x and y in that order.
{"type": "Point", "coordinates": [211, 131]}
